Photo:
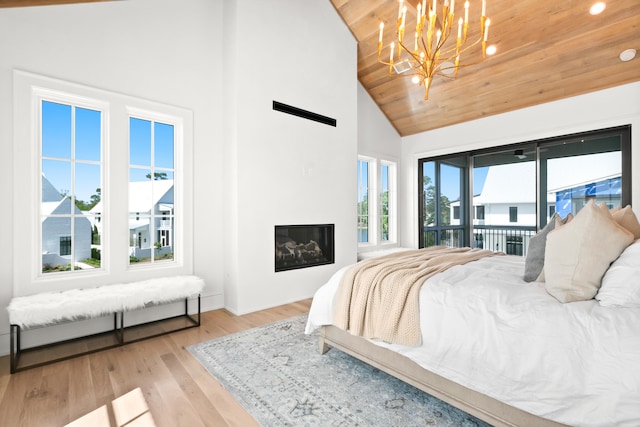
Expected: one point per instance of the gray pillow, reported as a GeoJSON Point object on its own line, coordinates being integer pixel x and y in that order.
{"type": "Point", "coordinates": [534, 262]}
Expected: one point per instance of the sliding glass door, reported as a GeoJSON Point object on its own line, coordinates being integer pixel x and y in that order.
{"type": "Point", "coordinates": [515, 190]}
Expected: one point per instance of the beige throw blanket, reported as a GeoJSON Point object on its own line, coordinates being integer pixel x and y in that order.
{"type": "Point", "coordinates": [378, 298]}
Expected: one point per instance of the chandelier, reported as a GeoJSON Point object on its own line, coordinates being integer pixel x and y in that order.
{"type": "Point", "coordinates": [433, 54]}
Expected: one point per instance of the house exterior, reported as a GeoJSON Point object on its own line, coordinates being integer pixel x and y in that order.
{"type": "Point", "coordinates": [505, 206]}
{"type": "Point", "coordinates": [56, 231]}
{"type": "Point", "coordinates": [151, 221]}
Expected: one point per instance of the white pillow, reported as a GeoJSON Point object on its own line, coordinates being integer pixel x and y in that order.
{"type": "Point", "coordinates": [621, 283]}
{"type": "Point", "coordinates": [578, 254]}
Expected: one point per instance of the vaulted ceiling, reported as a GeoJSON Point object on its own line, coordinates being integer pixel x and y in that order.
{"type": "Point", "coordinates": [546, 50]}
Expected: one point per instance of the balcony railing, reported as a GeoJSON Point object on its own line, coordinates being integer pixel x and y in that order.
{"type": "Point", "coordinates": [512, 240]}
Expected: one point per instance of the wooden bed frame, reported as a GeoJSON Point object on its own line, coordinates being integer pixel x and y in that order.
{"type": "Point", "coordinates": [472, 402]}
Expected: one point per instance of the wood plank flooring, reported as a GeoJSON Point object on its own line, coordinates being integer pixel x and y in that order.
{"type": "Point", "coordinates": [154, 382]}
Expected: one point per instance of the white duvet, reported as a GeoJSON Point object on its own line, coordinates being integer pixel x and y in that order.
{"type": "Point", "coordinates": [487, 329]}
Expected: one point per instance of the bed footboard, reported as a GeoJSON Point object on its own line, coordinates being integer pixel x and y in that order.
{"type": "Point", "coordinates": [477, 404]}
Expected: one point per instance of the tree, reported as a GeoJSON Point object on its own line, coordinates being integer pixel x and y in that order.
{"type": "Point", "coordinates": [384, 221]}
{"type": "Point", "coordinates": [157, 176]}
{"type": "Point", "coordinates": [94, 200]}
{"type": "Point", "coordinates": [429, 210]}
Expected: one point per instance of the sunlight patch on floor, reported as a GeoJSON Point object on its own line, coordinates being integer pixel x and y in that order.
{"type": "Point", "coordinates": [129, 410]}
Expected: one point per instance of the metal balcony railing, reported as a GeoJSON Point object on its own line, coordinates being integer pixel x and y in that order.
{"type": "Point", "coordinates": [512, 240]}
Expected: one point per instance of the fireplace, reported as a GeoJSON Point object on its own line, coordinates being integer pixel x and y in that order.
{"type": "Point", "coordinates": [301, 246]}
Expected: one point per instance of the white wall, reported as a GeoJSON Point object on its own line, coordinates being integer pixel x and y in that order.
{"type": "Point", "coordinates": [598, 110]}
{"type": "Point", "coordinates": [376, 137]}
{"type": "Point", "coordinates": [377, 140]}
{"type": "Point", "coordinates": [283, 169]}
{"type": "Point", "coordinates": [253, 167]}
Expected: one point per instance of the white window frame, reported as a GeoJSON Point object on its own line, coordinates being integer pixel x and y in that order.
{"type": "Point", "coordinates": [178, 170]}
{"type": "Point", "coordinates": [28, 90]}
{"type": "Point", "coordinates": [375, 199]}
{"type": "Point", "coordinates": [393, 201]}
{"type": "Point", "coordinates": [372, 200]}
{"type": "Point", "coordinates": [39, 95]}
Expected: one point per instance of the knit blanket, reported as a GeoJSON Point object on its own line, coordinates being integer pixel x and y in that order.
{"type": "Point", "coordinates": [378, 298]}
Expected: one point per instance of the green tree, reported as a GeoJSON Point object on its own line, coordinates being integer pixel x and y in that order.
{"type": "Point", "coordinates": [157, 176]}
{"type": "Point", "coordinates": [429, 211]}
{"type": "Point", "coordinates": [384, 220]}
{"type": "Point", "coordinates": [87, 206]}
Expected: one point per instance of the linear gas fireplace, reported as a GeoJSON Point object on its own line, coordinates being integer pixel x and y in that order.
{"type": "Point", "coordinates": [300, 246]}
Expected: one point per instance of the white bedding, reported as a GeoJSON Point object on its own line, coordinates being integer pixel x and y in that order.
{"type": "Point", "coordinates": [484, 327]}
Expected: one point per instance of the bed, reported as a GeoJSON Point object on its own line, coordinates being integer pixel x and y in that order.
{"type": "Point", "coordinates": [508, 351]}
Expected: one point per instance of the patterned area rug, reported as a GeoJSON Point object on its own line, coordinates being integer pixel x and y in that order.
{"type": "Point", "coordinates": [278, 375]}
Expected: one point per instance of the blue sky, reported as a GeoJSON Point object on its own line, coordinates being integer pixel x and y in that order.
{"type": "Point", "coordinates": [57, 134]}
{"type": "Point", "coordinates": [450, 179]}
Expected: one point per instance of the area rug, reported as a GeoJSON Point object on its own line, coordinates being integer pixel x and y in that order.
{"type": "Point", "coordinates": [278, 375]}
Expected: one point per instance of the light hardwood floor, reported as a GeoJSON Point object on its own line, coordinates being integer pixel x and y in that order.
{"type": "Point", "coordinates": [176, 388]}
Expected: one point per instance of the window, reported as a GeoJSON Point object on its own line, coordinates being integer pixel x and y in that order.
{"type": "Point", "coordinates": [513, 214]}
{"type": "Point", "coordinates": [81, 151]}
{"type": "Point", "coordinates": [554, 176]}
{"type": "Point", "coordinates": [71, 182]}
{"type": "Point", "coordinates": [376, 201]}
{"type": "Point", "coordinates": [387, 201]}
{"type": "Point", "coordinates": [151, 190]}
{"type": "Point", "coordinates": [363, 201]}
{"type": "Point", "coordinates": [65, 245]}
{"type": "Point", "coordinates": [456, 212]}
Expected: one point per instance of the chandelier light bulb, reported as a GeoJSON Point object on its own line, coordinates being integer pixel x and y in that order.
{"type": "Point", "coordinates": [597, 8]}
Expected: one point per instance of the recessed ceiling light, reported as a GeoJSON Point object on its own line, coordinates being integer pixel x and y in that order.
{"type": "Point", "coordinates": [597, 8]}
{"type": "Point", "coordinates": [627, 55]}
{"type": "Point", "coordinates": [491, 49]}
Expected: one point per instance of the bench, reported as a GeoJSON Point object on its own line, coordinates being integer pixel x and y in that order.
{"type": "Point", "coordinates": [55, 308]}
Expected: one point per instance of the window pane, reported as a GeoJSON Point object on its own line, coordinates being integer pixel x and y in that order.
{"type": "Point", "coordinates": [363, 201]}
{"type": "Point", "coordinates": [88, 130]}
{"type": "Point", "coordinates": [87, 186]}
{"type": "Point", "coordinates": [163, 145]}
{"type": "Point", "coordinates": [56, 184]}
{"type": "Point", "coordinates": [56, 130]}
{"type": "Point", "coordinates": [504, 193]}
{"type": "Point", "coordinates": [139, 142]}
{"type": "Point", "coordinates": [384, 203]}
{"type": "Point", "coordinates": [429, 193]}
{"type": "Point", "coordinates": [573, 181]}
{"type": "Point", "coordinates": [55, 256]}
{"type": "Point", "coordinates": [450, 182]}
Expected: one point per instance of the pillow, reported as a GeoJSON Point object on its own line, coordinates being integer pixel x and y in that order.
{"type": "Point", "coordinates": [534, 262]}
{"type": "Point", "coordinates": [578, 254]}
{"type": "Point", "coordinates": [535, 253]}
{"type": "Point", "coordinates": [621, 283]}
{"type": "Point", "coordinates": [626, 218]}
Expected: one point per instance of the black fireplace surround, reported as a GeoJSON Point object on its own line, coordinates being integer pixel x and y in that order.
{"type": "Point", "coordinates": [301, 246]}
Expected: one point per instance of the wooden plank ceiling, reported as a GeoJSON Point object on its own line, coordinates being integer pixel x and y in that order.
{"type": "Point", "coordinates": [546, 50]}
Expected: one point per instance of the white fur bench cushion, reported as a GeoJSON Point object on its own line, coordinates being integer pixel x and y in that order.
{"type": "Point", "coordinates": [53, 307]}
